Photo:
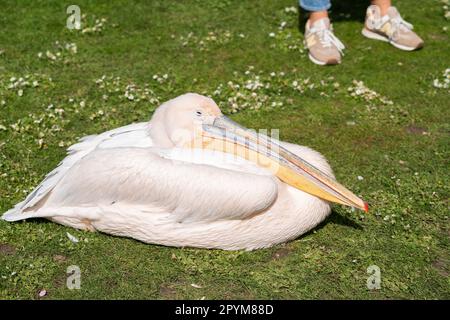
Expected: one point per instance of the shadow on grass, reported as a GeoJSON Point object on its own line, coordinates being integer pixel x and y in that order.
{"type": "Point", "coordinates": [334, 218]}
{"type": "Point", "coordinates": [341, 10]}
{"type": "Point", "coordinates": [344, 10]}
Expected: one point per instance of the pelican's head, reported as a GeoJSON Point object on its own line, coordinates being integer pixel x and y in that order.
{"type": "Point", "coordinates": [195, 121]}
{"type": "Point", "coordinates": [177, 121]}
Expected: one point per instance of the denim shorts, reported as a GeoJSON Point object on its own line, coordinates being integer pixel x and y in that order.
{"type": "Point", "coordinates": [315, 5]}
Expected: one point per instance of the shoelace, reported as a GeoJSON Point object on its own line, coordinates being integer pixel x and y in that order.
{"type": "Point", "coordinates": [327, 39]}
{"type": "Point", "coordinates": [397, 22]}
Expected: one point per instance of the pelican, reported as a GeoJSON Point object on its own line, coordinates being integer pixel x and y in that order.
{"type": "Point", "coordinates": [190, 177]}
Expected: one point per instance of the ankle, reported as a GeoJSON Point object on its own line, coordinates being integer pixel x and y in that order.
{"type": "Point", "coordinates": [317, 15]}
{"type": "Point", "coordinates": [383, 5]}
{"type": "Point", "coordinates": [383, 11]}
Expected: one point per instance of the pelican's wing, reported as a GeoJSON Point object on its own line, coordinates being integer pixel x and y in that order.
{"type": "Point", "coordinates": [136, 178]}
{"type": "Point", "coordinates": [134, 135]}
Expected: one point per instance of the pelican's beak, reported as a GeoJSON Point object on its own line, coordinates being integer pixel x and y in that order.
{"type": "Point", "coordinates": [223, 134]}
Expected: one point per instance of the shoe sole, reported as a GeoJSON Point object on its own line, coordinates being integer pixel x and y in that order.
{"type": "Point", "coordinates": [375, 36]}
{"type": "Point", "coordinates": [322, 63]}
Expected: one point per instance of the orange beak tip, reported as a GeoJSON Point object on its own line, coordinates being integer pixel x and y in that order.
{"type": "Point", "coordinates": [366, 207]}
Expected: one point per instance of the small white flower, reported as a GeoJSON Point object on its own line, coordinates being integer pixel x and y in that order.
{"type": "Point", "coordinates": [290, 9]}
{"type": "Point", "coordinates": [436, 83]}
{"type": "Point", "coordinates": [271, 34]}
{"type": "Point", "coordinates": [50, 55]}
{"type": "Point", "coordinates": [360, 178]}
{"type": "Point", "coordinates": [59, 111]}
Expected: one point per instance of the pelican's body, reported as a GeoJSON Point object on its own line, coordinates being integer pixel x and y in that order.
{"type": "Point", "coordinates": [139, 181]}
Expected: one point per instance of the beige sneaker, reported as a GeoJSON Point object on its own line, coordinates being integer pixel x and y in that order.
{"type": "Point", "coordinates": [391, 28]}
{"type": "Point", "coordinates": [324, 48]}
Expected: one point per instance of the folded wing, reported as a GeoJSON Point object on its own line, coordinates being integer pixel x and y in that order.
{"type": "Point", "coordinates": [131, 135]}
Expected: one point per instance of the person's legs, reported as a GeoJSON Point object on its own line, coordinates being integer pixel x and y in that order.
{"type": "Point", "coordinates": [324, 47]}
{"type": "Point", "coordinates": [383, 22]}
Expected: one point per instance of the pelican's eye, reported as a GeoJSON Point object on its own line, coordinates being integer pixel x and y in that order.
{"type": "Point", "coordinates": [198, 113]}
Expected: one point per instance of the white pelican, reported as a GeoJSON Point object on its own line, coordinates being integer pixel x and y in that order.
{"type": "Point", "coordinates": [188, 177]}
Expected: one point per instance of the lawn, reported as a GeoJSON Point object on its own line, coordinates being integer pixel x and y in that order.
{"type": "Point", "coordinates": [381, 118]}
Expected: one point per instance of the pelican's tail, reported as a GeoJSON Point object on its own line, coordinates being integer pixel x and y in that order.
{"type": "Point", "coordinates": [19, 213]}
{"type": "Point", "coordinates": [15, 214]}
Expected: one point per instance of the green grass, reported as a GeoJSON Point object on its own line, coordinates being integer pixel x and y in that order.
{"type": "Point", "coordinates": [401, 149]}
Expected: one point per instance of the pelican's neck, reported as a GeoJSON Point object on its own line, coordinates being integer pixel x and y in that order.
{"type": "Point", "coordinates": [157, 130]}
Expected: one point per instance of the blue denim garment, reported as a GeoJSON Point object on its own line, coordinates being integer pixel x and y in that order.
{"type": "Point", "coordinates": [315, 5]}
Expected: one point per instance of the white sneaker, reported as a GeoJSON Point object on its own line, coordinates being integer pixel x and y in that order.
{"type": "Point", "coordinates": [324, 47]}
{"type": "Point", "coordinates": [391, 28]}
